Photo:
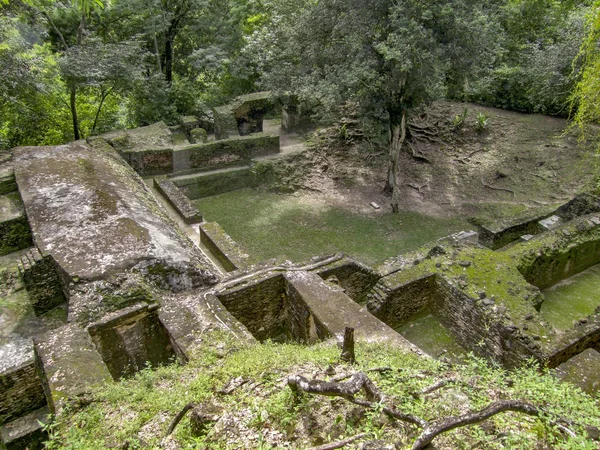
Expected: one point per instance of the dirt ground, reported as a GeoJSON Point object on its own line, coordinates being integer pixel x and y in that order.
{"type": "Point", "coordinates": [516, 166]}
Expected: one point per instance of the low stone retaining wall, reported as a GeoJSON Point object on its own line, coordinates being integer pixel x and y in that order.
{"type": "Point", "coordinates": [259, 303]}
{"type": "Point", "coordinates": [7, 178]}
{"type": "Point", "coordinates": [225, 249]}
{"type": "Point", "coordinates": [563, 254]}
{"type": "Point", "coordinates": [209, 184]}
{"type": "Point", "coordinates": [205, 156]}
{"type": "Point", "coordinates": [355, 278]}
{"type": "Point", "coordinates": [179, 201]}
{"type": "Point", "coordinates": [584, 335]}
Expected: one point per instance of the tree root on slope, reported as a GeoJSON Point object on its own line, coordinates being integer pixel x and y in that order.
{"type": "Point", "coordinates": [359, 382]}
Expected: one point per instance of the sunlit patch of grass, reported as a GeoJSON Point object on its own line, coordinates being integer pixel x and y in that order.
{"type": "Point", "coordinates": [284, 226]}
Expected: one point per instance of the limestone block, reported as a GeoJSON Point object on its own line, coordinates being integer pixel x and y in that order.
{"type": "Point", "coordinates": [198, 136]}
{"type": "Point", "coordinates": [130, 339]}
{"type": "Point", "coordinates": [70, 365]}
{"type": "Point", "coordinates": [7, 178]}
{"type": "Point", "coordinates": [186, 210]}
{"type": "Point", "coordinates": [227, 251]}
{"type": "Point", "coordinates": [96, 217]}
{"type": "Point", "coordinates": [41, 280]}
{"type": "Point", "coordinates": [188, 123]}
{"type": "Point", "coordinates": [206, 184]}
{"type": "Point", "coordinates": [319, 310]}
{"type": "Point", "coordinates": [187, 317]}
{"type": "Point", "coordinates": [582, 371]}
{"type": "Point", "coordinates": [15, 233]}
{"type": "Point", "coordinates": [26, 432]}
{"type": "Point", "coordinates": [20, 387]}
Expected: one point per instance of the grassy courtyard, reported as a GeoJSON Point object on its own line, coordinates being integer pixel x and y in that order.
{"type": "Point", "coordinates": [293, 227]}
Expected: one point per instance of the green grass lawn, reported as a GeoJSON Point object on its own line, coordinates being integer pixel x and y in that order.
{"type": "Point", "coordinates": [285, 226]}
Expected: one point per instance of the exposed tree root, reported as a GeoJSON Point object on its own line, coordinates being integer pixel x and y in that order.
{"type": "Point", "coordinates": [450, 423]}
{"type": "Point", "coordinates": [180, 415]}
{"type": "Point", "coordinates": [418, 188]}
{"type": "Point", "coordinates": [340, 444]}
{"type": "Point", "coordinates": [359, 381]}
{"type": "Point", "coordinates": [417, 154]}
{"type": "Point", "coordinates": [489, 186]}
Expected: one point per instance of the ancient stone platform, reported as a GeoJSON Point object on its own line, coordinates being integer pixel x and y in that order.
{"type": "Point", "coordinates": [90, 211]}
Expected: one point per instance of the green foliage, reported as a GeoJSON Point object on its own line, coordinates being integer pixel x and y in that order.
{"type": "Point", "coordinates": [459, 120]}
{"type": "Point", "coordinates": [585, 99]}
{"type": "Point", "coordinates": [481, 122]}
{"type": "Point", "coordinates": [138, 410]}
{"type": "Point", "coordinates": [533, 70]}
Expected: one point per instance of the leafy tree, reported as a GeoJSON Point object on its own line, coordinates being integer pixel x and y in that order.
{"type": "Point", "coordinates": [585, 100]}
{"type": "Point", "coordinates": [389, 57]}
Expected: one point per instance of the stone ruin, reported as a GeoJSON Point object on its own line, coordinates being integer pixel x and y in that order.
{"type": "Point", "coordinates": [117, 273]}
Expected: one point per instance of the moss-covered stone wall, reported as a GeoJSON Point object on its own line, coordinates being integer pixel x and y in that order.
{"type": "Point", "coordinates": [260, 305]}
{"type": "Point", "coordinates": [396, 304]}
{"type": "Point", "coordinates": [356, 279]}
{"type": "Point", "coordinates": [209, 184]}
{"type": "Point", "coordinates": [132, 339]}
{"type": "Point", "coordinates": [20, 391]}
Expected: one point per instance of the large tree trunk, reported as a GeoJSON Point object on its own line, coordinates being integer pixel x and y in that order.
{"type": "Point", "coordinates": [169, 59]}
{"type": "Point", "coordinates": [74, 113]}
{"type": "Point", "coordinates": [397, 137]}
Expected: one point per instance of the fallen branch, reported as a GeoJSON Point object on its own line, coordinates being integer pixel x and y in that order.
{"type": "Point", "coordinates": [441, 426]}
{"type": "Point", "coordinates": [340, 444]}
{"type": "Point", "coordinates": [418, 188]}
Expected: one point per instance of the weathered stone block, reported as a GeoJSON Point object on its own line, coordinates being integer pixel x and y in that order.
{"type": "Point", "coordinates": [355, 278]}
{"type": "Point", "coordinates": [259, 303]}
{"type": "Point", "coordinates": [96, 217]}
{"type": "Point", "coordinates": [188, 123]}
{"type": "Point", "coordinates": [20, 387]}
{"type": "Point", "coordinates": [69, 365]}
{"type": "Point", "coordinates": [188, 317]}
{"type": "Point", "coordinates": [7, 177]}
{"type": "Point", "coordinates": [188, 212]}
{"type": "Point", "coordinates": [27, 432]}
{"type": "Point", "coordinates": [582, 371]}
{"type": "Point", "coordinates": [131, 339]}
{"type": "Point", "coordinates": [15, 233]}
{"type": "Point", "coordinates": [227, 251]}
{"type": "Point", "coordinates": [42, 281]}
{"type": "Point", "coordinates": [319, 310]}
{"type": "Point", "coordinates": [235, 150]}
{"type": "Point", "coordinates": [198, 136]}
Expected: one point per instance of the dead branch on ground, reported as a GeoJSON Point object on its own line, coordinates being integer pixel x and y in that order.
{"type": "Point", "coordinates": [359, 381]}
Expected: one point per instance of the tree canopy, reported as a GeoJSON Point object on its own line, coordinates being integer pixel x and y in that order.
{"type": "Point", "coordinates": [80, 67]}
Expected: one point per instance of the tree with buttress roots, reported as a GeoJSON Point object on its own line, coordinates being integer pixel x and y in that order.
{"type": "Point", "coordinates": [388, 56]}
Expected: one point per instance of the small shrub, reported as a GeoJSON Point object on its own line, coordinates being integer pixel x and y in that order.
{"type": "Point", "coordinates": [482, 122]}
{"type": "Point", "coordinates": [459, 120]}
